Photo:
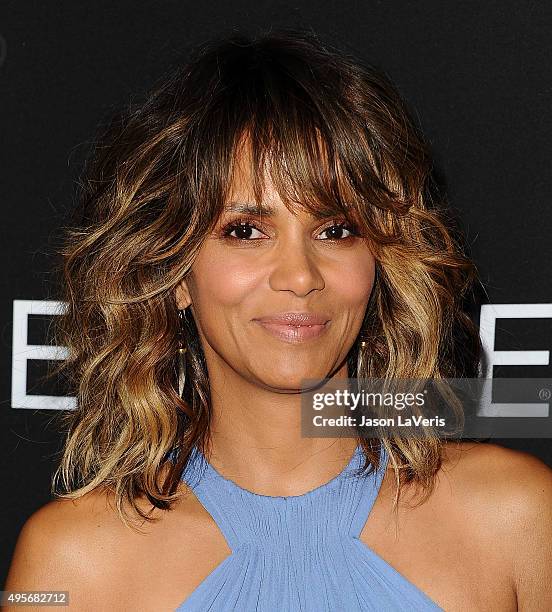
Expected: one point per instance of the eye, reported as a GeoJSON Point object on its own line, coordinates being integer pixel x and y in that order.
{"type": "Point", "coordinates": [335, 231]}
{"type": "Point", "coordinates": [243, 230]}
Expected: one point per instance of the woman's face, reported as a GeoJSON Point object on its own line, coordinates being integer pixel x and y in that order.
{"type": "Point", "coordinates": [254, 268]}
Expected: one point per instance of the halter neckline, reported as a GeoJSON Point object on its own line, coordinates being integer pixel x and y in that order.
{"type": "Point", "coordinates": [354, 463]}
{"type": "Point", "coordinates": [300, 552]}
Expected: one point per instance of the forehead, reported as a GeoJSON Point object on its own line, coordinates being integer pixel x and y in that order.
{"type": "Point", "coordinates": [241, 193]}
{"type": "Point", "coordinates": [241, 199]}
{"type": "Point", "coordinates": [261, 182]}
{"type": "Point", "coordinates": [245, 170]}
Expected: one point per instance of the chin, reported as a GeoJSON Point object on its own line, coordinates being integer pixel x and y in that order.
{"type": "Point", "coordinates": [290, 378]}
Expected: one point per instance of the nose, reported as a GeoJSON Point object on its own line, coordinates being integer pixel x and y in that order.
{"type": "Point", "coordinates": [296, 269]}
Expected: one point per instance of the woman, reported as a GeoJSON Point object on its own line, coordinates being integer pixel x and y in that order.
{"type": "Point", "coordinates": [266, 217]}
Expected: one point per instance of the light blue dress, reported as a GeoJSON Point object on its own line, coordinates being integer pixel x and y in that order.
{"type": "Point", "coordinates": [298, 553]}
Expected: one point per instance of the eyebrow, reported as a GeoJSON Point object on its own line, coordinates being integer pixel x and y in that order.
{"type": "Point", "coordinates": [250, 208]}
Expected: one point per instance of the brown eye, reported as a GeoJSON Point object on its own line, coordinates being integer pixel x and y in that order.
{"type": "Point", "coordinates": [338, 232]}
{"type": "Point", "coordinates": [243, 231]}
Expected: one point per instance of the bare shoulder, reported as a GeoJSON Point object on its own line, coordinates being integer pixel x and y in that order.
{"type": "Point", "coordinates": [503, 474]}
{"type": "Point", "coordinates": [64, 545]}
{"type": "Point", "coordinates": [509, 495]}
{"type": "Point", "coordinates": [83, 547]}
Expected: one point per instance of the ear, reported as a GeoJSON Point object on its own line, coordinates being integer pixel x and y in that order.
{"type": "Point", "coordinates": [182, 294]}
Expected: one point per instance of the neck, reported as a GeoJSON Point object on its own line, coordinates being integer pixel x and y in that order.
{"type": "Point", "coordinates": [255, 439]}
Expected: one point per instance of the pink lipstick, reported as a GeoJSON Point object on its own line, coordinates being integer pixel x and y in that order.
{"type": "Point", "coordinates": [295, 327]}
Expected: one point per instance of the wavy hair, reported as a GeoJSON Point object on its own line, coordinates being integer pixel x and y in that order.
{"type": "Point", "coordinates": [336, 138]}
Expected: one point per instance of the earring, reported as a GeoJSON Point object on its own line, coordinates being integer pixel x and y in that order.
{"type": "Point", "coordinates": [182, 321]}
{"type": "Point", "coordinates": [181, 352]}
{"type": "Point", "coordinates": [363, 345]}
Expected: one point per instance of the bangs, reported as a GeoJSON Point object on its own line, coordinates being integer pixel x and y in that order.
{"type": "Point", "coordinates": [300, 162]}
{"type": "Point", "coordinates": [316, 165]}
{"type": "Point", "coordinates": [309, 127]}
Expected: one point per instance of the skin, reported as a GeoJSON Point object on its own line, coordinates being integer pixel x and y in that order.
{"type": "Point", "coordinates": [482, 541]}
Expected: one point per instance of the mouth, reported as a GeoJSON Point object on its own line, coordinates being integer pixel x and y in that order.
{"type": "Point", "coordinates": [293, 333]}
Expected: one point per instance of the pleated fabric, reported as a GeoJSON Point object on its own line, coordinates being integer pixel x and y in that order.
{"type": "Point", "coordinates": [298, 553]}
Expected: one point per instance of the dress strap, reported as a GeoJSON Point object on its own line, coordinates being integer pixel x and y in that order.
{"type": "Point", "coordinates": [200, 478]}
{"type": "Point", "coordinates": [366, 494]}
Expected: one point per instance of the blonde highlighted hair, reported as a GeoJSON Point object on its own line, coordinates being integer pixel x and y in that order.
{"type": "Point", "coordinates": [336, 138]}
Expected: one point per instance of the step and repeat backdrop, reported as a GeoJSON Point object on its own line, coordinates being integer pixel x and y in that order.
{"type": "Point", "coordinates": [476, 75]}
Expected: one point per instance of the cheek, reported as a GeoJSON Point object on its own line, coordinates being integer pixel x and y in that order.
{"type": "Point", "coordinates": [222, 280]}
{"type": "Point", "coordinates": [353, 280]}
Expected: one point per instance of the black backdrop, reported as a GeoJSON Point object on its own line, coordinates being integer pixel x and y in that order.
{"type": "Point", "coordinates": [477, 76]}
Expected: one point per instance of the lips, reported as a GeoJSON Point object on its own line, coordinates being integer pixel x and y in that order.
{"type": "Point", "coordinates": [296, 319]}
{"type": "Point", "coordinates": [295, 327]}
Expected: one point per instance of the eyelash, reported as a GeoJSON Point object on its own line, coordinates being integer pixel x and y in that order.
{"type": "Point", "coordinates": [239, 223]}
